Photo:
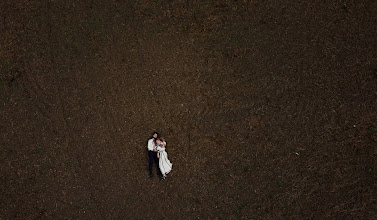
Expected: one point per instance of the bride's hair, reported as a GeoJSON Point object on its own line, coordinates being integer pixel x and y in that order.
{"type": "Point", "coordinates": [162, 140]}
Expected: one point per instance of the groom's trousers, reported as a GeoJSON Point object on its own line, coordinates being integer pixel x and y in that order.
{"type": "Point", "coordinates": [153, 158]}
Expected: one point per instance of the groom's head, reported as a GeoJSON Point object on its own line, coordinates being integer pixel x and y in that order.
{"type": "Point", "coordinates": [155, 135]}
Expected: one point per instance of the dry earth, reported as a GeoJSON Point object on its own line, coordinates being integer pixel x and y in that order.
{"type": "Point", "coordinates": [268, 107]}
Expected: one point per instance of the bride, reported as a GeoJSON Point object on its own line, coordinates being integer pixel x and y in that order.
{"type": "Point", "coordinates": [164, 163]}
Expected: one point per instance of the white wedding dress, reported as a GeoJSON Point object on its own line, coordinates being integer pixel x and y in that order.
{"type": "Point", "coordinates": [164, 163]}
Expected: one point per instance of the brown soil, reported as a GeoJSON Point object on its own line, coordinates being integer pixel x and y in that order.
{"type": "Point", "coordinates": [268, 107]}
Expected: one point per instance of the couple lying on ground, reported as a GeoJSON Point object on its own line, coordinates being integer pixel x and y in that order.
{"type": "Point", "coordinates": [157, 153]}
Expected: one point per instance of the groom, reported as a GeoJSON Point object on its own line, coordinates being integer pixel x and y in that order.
{"type": "Point", "coordinates": [152, 154]}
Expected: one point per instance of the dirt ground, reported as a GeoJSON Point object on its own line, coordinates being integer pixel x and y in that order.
{"type": "Point", "coordinates": [269, 109]}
